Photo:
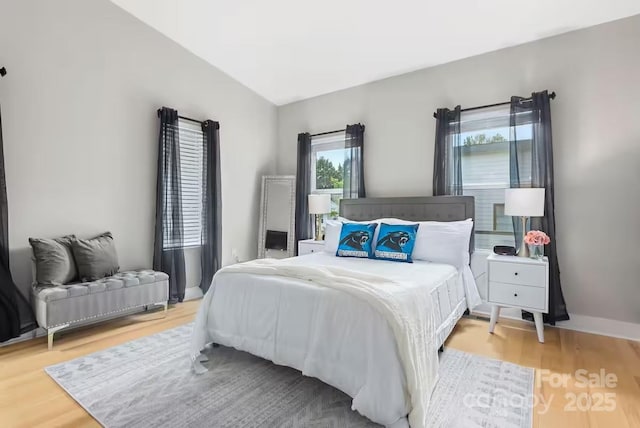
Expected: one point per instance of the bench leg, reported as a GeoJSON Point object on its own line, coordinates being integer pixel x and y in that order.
{"type": "Point", "coordinates": [50, 333]}
{"type": "Point", "coordinates": [165, 305]}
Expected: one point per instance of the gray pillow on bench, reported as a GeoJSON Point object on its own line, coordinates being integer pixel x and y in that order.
{"type": "Point", "coordinates": [54, 260]}
{"type": "Point", "coordinates": [96, 257]}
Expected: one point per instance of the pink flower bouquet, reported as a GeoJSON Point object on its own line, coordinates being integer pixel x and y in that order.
{"type": "Point", "coordinates": [536, 237]}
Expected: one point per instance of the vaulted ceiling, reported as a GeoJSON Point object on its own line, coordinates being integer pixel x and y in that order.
{"type": "Point", "coordinates": [287, 50]}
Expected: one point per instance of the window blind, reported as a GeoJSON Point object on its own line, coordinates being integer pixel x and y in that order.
{"type": "Point", "coordinates": [191, 151]}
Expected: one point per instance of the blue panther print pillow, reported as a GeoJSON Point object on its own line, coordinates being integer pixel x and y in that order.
{"type": "Point", "coordinates": [356, 240]}
{"type": "Point", "coordinates": [396, 242]}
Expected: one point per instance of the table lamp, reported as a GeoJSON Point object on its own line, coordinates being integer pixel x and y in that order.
{"type": "Point", "coordinates": [319, 204]}
{"type": "Point", "coordinates": [524, 203]}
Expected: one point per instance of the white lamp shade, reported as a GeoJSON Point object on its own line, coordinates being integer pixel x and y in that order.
{"type": "Point", "coordinates": [319, 204]}
{"type": "Point", "coordinates": [524, 202]}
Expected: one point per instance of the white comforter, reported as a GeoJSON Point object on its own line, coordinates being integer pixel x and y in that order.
{"type": "Point", "coordinates": [366, 334]}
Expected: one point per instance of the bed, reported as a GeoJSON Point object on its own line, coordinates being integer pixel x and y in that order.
{"type": "Point", "coordinates": [334, 334]}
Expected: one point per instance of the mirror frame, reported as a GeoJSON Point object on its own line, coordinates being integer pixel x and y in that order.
{"type": "Point", "coordinates": [262, 229]}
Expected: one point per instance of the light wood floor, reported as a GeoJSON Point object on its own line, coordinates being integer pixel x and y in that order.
{"type": "Point", "coordinates": [29, 398]}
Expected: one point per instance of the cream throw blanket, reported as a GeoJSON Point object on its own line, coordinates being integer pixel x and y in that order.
{"type": "Point", "coordinates": [407, 309]}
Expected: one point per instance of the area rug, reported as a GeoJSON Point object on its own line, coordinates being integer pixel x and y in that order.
{"type": "Point", "coordinates": [148, 383]}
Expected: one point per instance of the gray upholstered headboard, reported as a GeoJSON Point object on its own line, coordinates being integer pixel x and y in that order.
{"type": "Point", "coordinates": [425, 208]}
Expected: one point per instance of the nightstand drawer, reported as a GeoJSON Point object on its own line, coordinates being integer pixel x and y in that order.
{"type": "Point", "coordinates": [517, 295]}
{"type": "Point", "coordinates": [309, 246]}
{"type": "Point", "coordinates": [307, 249]}
{"type": "Point", "coordinates": [518, 273]}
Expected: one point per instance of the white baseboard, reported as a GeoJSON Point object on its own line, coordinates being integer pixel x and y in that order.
{"type": "Point", "coordinates": [604, 326]}
{"type": "Point", "coordinates": [577, 322]}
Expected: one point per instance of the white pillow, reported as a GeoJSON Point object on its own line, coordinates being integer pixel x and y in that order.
{"type": "Point", "coordinates": [444, 242]}
{"type": "Point", "coordinates": [436, 241]}
{"type": "Point", "coordinates": [346, 220]}
{"type": "Point", "coordinates": [332, 229]}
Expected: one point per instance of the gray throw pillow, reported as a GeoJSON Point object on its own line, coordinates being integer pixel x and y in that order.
{"type": "Point", "coordinates": [96, 257]}
{"type": "Point", "coordinates": [54, 260]}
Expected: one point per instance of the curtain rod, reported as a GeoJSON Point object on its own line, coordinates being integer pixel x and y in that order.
{"type": "Point", "coordinates": [329, 132]}
{"type": "Point", "coordinates": [184, 118]}
{"type": "Point", "coordinates": [552, 96]}
{"type": "Point", "coordinates": [190, 120]}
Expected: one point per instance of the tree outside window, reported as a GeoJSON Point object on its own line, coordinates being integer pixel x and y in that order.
{"type": "Point", "coordinates": [327, 175]}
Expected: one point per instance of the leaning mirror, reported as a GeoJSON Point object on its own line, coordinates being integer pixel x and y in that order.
{"type": "Point", "coordinates": [277, 217]}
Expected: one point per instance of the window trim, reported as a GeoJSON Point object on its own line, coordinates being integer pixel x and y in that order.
{"type": "Point", "coordinates": [323, 143]}
{"type": "Point", "coordinates": [488, 121]}
{"type": "Point", "coordinates": [496, 231]}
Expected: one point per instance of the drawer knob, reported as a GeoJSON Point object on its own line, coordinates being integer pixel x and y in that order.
{"type": "Point", "coordinates": [515, 294]}
{"type": "Point", "coordinates": [516, 274]}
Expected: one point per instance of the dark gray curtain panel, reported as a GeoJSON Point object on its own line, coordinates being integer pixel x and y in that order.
{"type": "Point", "coordinates": [303, 188]}
{"type": "Point", "coordinates": [520, 122]}
{"type": "Point", "coordinates": [168, 254]}
{"type": "Point", "coordinates": [447, 160]}
{"type": "Point", "coordinates": [211, 253]}
{"type": "Point", "coordinates": [353, 171]}
{"type": "Point", "coordinates": [16, 316]}
{"type": "Point", "coordinates": [532, 144]}
{"type": "Point", "coordinates": [4, 208]}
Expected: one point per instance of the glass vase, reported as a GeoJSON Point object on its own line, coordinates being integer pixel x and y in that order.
{"type": "Point", "coordinates": [536, 251]}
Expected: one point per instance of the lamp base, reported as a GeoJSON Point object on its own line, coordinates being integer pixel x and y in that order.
{"type": "Point", "coordinates": [318, 233]}
{"type": "Point", "coordinates": [524, 249]}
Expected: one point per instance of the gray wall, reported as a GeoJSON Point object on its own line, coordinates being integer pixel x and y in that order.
{"type": "Point", "coordinates": [596, 128]}
{"type": "Point", "coordinates": [80, 128]}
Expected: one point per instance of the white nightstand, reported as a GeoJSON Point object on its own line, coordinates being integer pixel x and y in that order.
{"type": "Point", "coordinates": [309, 246]}
{"type": "Point", "coordinates": [518, 282]}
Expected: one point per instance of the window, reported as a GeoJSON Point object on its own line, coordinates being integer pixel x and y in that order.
{"type": "Point", "coordinates": [485, 170]}
{"type": "Point", "coordinates": [191, 183]}
{"type": "Point", "coordinates": [501, 222]}
{"type": "Point", "coordinates": [328, 160]}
